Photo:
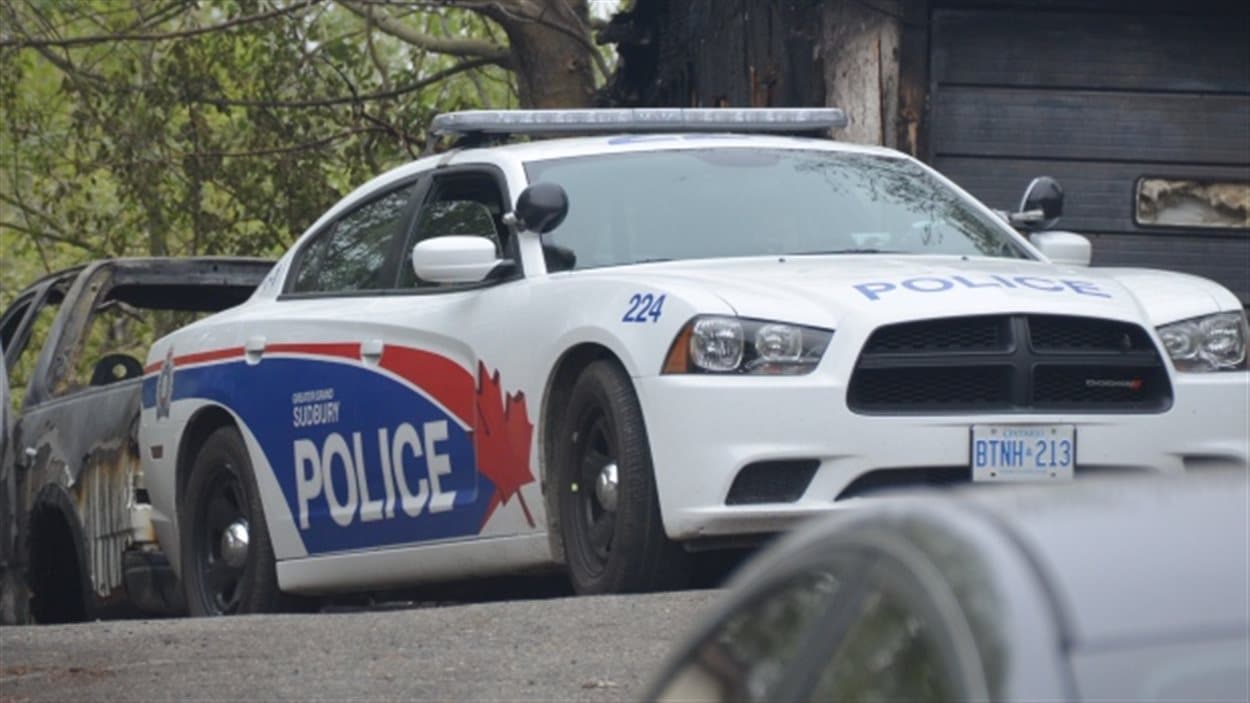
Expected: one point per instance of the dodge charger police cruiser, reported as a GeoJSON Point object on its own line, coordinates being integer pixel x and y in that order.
{"type": "Point", "coordinates": [677, 329]}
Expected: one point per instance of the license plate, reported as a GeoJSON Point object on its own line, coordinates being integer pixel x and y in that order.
{"type": "Point", "coordinates": [1023, 452]}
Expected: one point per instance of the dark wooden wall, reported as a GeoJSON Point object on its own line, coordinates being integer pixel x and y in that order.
{"type": "Point", "coordinates": [1098, 95]}
{"type": "Point", "coordinates": [710, 53]}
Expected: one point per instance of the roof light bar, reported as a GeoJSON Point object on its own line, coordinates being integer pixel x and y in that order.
{"type": "Point", "coordinates": [638, 120]}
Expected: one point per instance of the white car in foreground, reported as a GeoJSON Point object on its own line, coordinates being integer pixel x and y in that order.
{"type": "Point", "coordinates": [605, 351]}
{"type": "Point", "coordinates": [1031, 593]}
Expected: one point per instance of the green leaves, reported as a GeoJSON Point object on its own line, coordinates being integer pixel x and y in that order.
{"type": "Point", "coordinates": [168, 139]}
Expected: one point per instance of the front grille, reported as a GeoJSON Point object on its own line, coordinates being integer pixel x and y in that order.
{"type": "Point", "coordinates": [935, 388]}
{"type": "Point", "coordinates": [1054, 333]}
{"type": "Point", "coordinates": [1010, 363]}
{"type": "Point", "coordinates": [987, 333]}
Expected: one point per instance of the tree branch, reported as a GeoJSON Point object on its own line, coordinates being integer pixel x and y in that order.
{"type": "Point", "coordinates": [350, 99]}
{"type": "Point", "coordinates": [37, 235]}
{"type": "Point", "coordinates": [315, 144]}
{"type": "Point", "coordinates": [30, 213]}
{"type": "Point", "coordinates": [25, 42]}
{"type": "Point", "coordinates": [525, 11]}
{"type": "Point", "coordinates": [372, 46]}
{"type": "Point", "coordinates": [464, 48]}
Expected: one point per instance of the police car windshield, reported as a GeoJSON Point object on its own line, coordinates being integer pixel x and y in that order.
{"type": "Point", "coordinates": [703, 203]}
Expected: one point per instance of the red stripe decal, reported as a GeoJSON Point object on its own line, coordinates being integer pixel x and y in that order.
{"type": "Point", "coordinates": [203, 357]}
{"type": "Point", "coordinates": [443, 379]}
{"type": "Point", "coordinates": [197, 358]}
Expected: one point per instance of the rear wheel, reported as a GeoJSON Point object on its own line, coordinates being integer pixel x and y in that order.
{"type": "Point", "coordinates": [227, 560]}
{"type": "Point", "coordinates": [58, 591]}
{"type": "Point", "coordinates": [610, 522]}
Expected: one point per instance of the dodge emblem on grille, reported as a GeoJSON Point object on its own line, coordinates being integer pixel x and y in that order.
{"type": "Point", "coordinates": [1131, 384]}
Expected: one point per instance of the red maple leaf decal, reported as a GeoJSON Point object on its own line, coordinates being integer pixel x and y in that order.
{"type": "Point", "coordinates": [501, 441]}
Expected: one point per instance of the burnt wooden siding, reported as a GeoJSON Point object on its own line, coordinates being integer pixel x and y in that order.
{"type": "Point", "coordinates": [717, 53]}
{"type": "Point", "coordinates": [1098, 95]}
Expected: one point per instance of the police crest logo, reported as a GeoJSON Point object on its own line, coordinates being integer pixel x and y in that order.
{"type": "Point", "coordinates": [165, 385]}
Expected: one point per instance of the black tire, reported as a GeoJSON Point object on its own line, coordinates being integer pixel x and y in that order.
{"type": "Point", "coordinates": [625, 549]}
{"type": "Point", "coordinates": [221, 491]}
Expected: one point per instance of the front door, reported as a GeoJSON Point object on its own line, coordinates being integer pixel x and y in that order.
{"type": "Point", "coordinates": [359, 384]}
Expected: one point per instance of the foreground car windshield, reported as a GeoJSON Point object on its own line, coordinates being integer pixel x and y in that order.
{"type": "Point", "coordinates": [702, 203]}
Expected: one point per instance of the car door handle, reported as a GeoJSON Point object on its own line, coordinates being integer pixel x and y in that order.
{"type": "Point", "coordinates": [371, 351]}
{"type": "Point", "coordinates": [254, 349]}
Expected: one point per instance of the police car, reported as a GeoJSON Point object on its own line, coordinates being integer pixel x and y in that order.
{"type": "Point", "coordinates": [678, 330]}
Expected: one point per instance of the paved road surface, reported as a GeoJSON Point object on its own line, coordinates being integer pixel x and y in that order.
{"type": "Point", "coordinates": [560, 649]}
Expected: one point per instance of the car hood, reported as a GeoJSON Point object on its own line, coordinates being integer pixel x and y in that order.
{"type": "Point", "coordinates": [826, 290]}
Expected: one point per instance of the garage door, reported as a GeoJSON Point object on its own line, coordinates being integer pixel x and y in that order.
{"type": "Point", "coordinates": [1142, 115]}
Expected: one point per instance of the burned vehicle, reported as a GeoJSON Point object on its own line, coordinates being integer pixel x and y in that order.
{"type": "Point", "coordinates": [76, 540]}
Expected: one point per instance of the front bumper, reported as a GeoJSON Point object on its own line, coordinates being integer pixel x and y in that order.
{"type": "Point", "coordinates": [704, 429]}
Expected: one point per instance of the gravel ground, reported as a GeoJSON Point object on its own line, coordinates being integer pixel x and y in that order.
{"type": "Point", "coordinates": [601, 648]}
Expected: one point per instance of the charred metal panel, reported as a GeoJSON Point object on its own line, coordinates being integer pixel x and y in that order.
{"type": "Point", "coordinates": [85, 444]}
{"type": "Point", "coordinates": [11, 589]}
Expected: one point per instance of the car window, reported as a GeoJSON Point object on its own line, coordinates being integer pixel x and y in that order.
{"type": "Point", "coordinates": [748, 653]}
{"type": "Point", "coordinates": [699, 203]}
{"type": "Point", "coordinates": [24, 352]}
{"type": "Point", "coordinates": [464, 203]}
{"type": "Point", "coordinates": [116, 341]}
{"type": "Point", "coordinates": [9, 325]}
{"type": "Point", "coordinates": [358, 251]}
{"type": "Point", "coordinates": [890, 652]}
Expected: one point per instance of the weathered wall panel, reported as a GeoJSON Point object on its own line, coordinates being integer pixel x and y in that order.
{"type": "Point", "coordinates": [1100, 195]}
{"type": "Point", "coordinates": [862, 69]}
{"type": "Point", "coordinates": [708, 53]}
{"type": "Point", "coordinates": [1067, 49]}
{"type": "Point", "coordinates": [1098, 95]}
{"type": "Point", "coordinates": [1086, 125]}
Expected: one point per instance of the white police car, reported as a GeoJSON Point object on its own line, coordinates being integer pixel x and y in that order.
{"type": "Point", "coordinates": [605, 351]}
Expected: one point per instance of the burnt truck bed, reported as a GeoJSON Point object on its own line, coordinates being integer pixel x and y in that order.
{"type": "Point", "coordinates": [76, 539]}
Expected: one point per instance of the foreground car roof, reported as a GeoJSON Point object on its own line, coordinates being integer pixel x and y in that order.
{"type": "Point", "coordinates": [1124, 559]}
{"type": "Point", "coordinates": [1118, 588]}
{"type": "Point", "coordinates": [1136, 558]}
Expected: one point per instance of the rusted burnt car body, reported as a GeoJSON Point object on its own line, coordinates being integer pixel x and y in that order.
{"type": "Point", "coordinates": [75, 537]}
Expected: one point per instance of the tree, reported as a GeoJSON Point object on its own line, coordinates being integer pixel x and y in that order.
{"type": "Point", "coordinates": [549, 46]}
{"type": "Point", "coordinates": [226, 126]}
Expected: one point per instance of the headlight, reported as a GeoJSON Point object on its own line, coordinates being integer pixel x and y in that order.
{"type": "Point", "coordinates": [1211, 343]}
{"type": "Point", "coordinates": [735, 345]}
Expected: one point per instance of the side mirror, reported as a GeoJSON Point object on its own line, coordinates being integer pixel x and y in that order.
{"type": "Point", "coordinates": [1066, 248]}
{"type": "Point", "coordinates": [1042, 205]}
{"type": "Point", "coordinates": [455, 258]}
{"type": "Point", "coordinates": [541, 208]}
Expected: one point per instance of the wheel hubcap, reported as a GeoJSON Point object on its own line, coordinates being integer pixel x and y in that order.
{"type": "Point", "coordinates": [234, 542]}
{"type": "Point", "coordinates": [597, 488]}
{"type": "Point", "coordinates": [605, 487]}
{"type": "Point", "coordinates": [222, 541]}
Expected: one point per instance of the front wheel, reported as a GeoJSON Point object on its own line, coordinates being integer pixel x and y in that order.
{"type": "Point", "coordinates": [227, 560]}
{"type": "Point", "coordinates": [609, 511]}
